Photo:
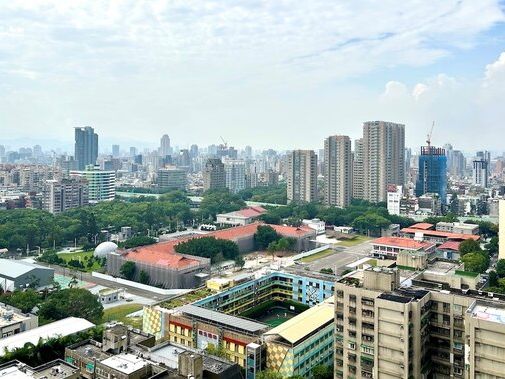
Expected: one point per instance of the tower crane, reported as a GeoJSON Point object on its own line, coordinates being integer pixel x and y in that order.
{"type": "Point", "coordinates": [428, 137]}
{"type": "Point", "coordinates": [225, 144]}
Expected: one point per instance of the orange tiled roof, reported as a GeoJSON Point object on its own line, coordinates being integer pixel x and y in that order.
{"type": "Point", "coordinates": [450, 245]}
{"type": "Point", "coordinates": [402, 243]}
{"type": "Point", "coordinates": [422, 225]}
{"type": "Point", "coordinates": [164, 254]}
{"type": "Point", "coordinates": [251, 212]}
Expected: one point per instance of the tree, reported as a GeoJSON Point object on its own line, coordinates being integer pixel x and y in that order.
{"type": "Point", "coordinates": [24, 300]}
{"type": "Point", "coordinates": [219, 201]}
{"type": "Point", "coordinates": [322, 372]}
{"type": "Point", "coordinates": [500, 268]}
{"type": "Point", "coordinates": [493, 279]}
{"type": "Point", "coordinates": [476, 262]}
{"type": "Point", "coordinates": [328, 271]}
{"type": "Point", "coordinates": [270, 194]}
{"type": "Point", "coordinates": [264, 236]}
{"type": "Point", "coordinates": [469, 246]}
{"type": "Point", "coordinates": [492, 246]}
{"type": "Point", "coordinates": [71, 302]}
{"type": "Point", "coordinates": [73, 282]}
{"type": "Point", "coordinates": [209, 247]}
{"type": "Point", "coordinates": [144, 277]}
{"type": "Point", "coordinates": [138, 241]}
{"type": "Point", "coordinates": [486, 228]}
{"type": "Point", "coordinates": [127, 270]}
{"type": "Point", "coordinates": [239, 261]}
{"type": "Point", "coordinates": [271, 218]}
{"type": "Point", "coordinates": [217, 351]}
{"type": "Point", "coordinates": [370, 222]}
{"type": "Point", "coordinates": [282, 244]}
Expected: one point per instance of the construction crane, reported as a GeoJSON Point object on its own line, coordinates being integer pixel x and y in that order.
{"type": "Point", "coordinates": [428, 137]}
{"type": "Point", "coordinates": [225, 144]}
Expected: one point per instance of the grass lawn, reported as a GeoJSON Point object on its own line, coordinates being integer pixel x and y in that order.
{"type": "Point", "coordinates": [315, 257]}
{"type": "Point", "coordinates": [82, 256]}
{"type": "Point", "coordinates": [355, 241]}
{"type": "Point", "coordinates": [120, 312]}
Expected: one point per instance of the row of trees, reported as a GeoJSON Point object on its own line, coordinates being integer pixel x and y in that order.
{"type": "Point", "coordinates": [272, 194]}
{"type": "Point", "coordinates": [20, 228]}
{"type": "Point", "coordinates": [365, 217]}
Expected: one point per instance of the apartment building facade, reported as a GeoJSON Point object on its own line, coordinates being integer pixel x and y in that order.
{"type": "Point", "coordinates": [383, 158]}
{"type": "Point", "coordinates": [425, 330]}
{"type": "Point", "coordinates": [214, 175]}
{"type": "Point", "coordinates": [61, 195]}
{"type": "Point", "coordinates": [338, 171]}
{"type": "Point", "coordinates": [302, 176]}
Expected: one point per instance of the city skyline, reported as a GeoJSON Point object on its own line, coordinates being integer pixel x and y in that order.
{"type": "Point", "coordinates": [135, 72]}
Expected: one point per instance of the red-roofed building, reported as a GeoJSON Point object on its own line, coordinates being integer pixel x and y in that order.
{"type": "Point", "coordinates": [389, 247]}
{"type": "Point", "coordinates": [435, 236]}
{"type": "Point", "coordinates": [243, 236]}
{"type": "Point", "coordinates": [242, 217]}
{"type": "Point", "coordinates": [449, 250]}
{"type": "Point", "coordinates": [422, 226]}
{"type": "Point", "coordinates": [174, 270]}
{"type": "Point", "coordinates": [163, 265]}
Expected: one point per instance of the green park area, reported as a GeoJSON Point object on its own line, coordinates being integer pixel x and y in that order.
{"type": "Point", "coordinates": [89, 263]}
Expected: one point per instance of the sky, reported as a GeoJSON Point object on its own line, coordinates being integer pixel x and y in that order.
{"type": "Point", "coordinates": [271, 74]}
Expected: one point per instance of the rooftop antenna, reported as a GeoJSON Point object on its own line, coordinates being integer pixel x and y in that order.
{"type": "Point", "coordinates": [428, 137]}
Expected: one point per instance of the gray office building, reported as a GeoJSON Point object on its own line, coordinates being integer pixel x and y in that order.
{"type": "Point", "coordinates": [86, 147]}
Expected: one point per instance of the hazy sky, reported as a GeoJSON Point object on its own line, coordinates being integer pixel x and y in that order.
{"type": "Point", "coordinates": [281, 74]}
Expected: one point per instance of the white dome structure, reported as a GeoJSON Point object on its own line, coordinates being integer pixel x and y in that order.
{"type": "Point", "coordinates": [104, 249]}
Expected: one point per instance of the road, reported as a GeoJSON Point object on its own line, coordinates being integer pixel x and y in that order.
{"type": "Point", "coordinates": [87, 277]}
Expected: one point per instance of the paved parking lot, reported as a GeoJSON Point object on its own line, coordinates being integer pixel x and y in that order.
{"type": "Point", "coordinates": [342, 257]}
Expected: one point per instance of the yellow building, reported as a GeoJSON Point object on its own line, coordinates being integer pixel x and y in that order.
{"type": "Point", "coordinates": [218, 284]}
{"type": "Point", "coordinates": [305, 341]}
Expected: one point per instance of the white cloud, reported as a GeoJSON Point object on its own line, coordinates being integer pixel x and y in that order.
{"type": "Point", "coordinates": [394, 89]}
{"type": "Point", "coordinates": [495, 72]}
{"type": "Point", "coordinates": [190, 67]}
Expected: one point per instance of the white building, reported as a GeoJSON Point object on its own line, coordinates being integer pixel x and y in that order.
{"type": "Point", "coordinates": [241, 217]}
{"type": "Point", "coordinates": [458, 227]}
{"type": "Point", "coordinates": [394, 198]}
{"type": "Point", "coordinates": [480, 173]}
{"type": "Point", "coordinates": [318, 225]}
{"type": "Point", "coordinates": [101, 184]}
{"type": "Point", "coordinates": [234, 174]}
